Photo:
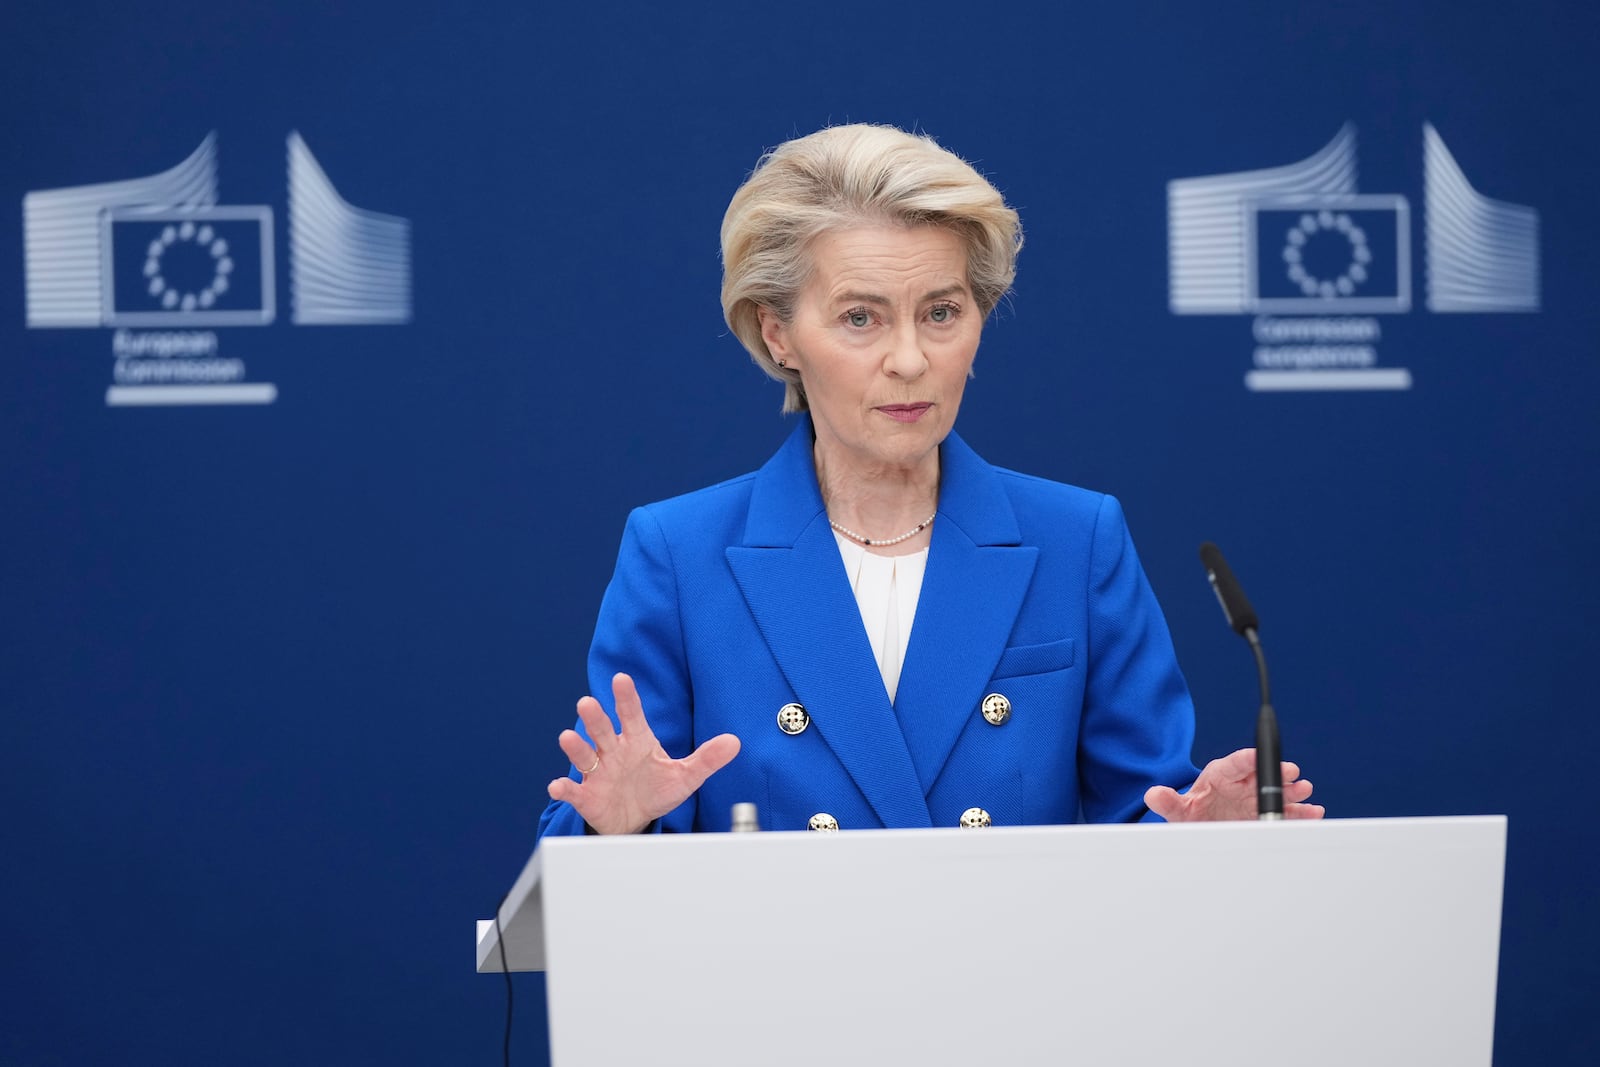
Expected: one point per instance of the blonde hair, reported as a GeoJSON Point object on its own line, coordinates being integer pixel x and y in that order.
{"type": "Point", "coordinates": [842, 177]}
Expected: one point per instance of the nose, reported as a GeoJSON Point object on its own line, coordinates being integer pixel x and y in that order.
{"type": "Point", "coordinates": [904, 358]}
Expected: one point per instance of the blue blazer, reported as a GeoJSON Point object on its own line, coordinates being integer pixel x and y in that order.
{"type": "Point", "coordinates": [731, 602]}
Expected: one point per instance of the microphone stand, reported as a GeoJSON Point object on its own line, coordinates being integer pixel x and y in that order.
{"type": "Point", "coordinates": [1242, 618]}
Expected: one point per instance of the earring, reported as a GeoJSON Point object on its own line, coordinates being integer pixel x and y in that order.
{"type": "Point", "coordinates": [781, 363]}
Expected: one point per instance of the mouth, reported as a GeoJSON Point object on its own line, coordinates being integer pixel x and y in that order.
{"type": "Point", "coordinates": [905, 412]}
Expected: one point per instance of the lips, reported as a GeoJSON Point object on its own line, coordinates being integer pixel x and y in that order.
{"type": "Point", "coordinates": [905, 412]}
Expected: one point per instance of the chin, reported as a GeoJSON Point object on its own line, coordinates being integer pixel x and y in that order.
{"type": "Point", "coordinates": [912, 448]}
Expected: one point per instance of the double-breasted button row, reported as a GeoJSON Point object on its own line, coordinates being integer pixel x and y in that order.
{"type": "Point", "coordinates": [794, 718]}
{"type": "Point", "coordinates": [971, 819]}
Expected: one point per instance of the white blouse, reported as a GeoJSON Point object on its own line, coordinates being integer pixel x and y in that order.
{"type": "Point", "coordinates": [887, 589]}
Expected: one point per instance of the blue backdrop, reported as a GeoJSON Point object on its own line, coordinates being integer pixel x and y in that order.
{"type": "Point", "coordinates": [280, 681]}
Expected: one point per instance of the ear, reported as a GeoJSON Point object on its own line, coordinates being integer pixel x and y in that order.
{"type": "Point", "coordinates": [776, 334]}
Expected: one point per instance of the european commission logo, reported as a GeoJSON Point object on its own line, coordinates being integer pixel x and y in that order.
{"type": "Point", "coordinates": [162, 254]}
{"type": "Point", "coordinates": [1300, 240]}
{"type": "Point", "coordinates": [1350, 250]}
{"type": "Point", "coordinates": [211, 266]}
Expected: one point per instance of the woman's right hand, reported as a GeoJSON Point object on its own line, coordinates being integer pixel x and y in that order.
{"type": "Point", "coordinates": [628, 779]}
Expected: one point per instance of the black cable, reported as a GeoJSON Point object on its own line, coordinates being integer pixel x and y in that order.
{"type": "Point", "coordinates": [505, 969]}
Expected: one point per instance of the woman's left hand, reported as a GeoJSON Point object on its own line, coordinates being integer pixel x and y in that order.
{"type": "Point", "coordinates": [1226, 790]}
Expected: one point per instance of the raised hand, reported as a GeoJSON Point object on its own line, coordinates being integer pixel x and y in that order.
{"type": "Point", "coordinates": [1226, 790]}
{"type": "Point", "coordinates": [628, 778]}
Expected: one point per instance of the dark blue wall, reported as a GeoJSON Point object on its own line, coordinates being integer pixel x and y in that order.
{"type": "Point", "coordinates": [279, 684]}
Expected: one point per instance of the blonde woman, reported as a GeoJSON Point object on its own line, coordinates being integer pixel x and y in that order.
{"type": "Point", "coordinates": [877, 628]}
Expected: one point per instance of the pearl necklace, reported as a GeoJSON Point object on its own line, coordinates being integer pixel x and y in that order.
{"type": "Point", "coordinates": [870, 543]}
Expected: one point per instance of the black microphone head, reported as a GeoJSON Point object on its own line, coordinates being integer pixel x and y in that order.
{"type": "Point", "coordinates": [1235, 605]}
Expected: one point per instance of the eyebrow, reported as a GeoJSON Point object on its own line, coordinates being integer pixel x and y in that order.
{"type": "Point", "coordinates": [857, 297]}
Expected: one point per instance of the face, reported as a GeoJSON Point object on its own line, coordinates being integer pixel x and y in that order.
{"type": "Point", "coordinates": [883, 337]}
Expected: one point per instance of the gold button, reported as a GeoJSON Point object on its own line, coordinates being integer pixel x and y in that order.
{"type": "Point", "coordinates": [793, 719]}
{"type": "Point", "coordinates": [975, 818]}
{"type": "Point", "coordinates": [996, 709]}
{"type": "Point", "coordinates": [824, 823]}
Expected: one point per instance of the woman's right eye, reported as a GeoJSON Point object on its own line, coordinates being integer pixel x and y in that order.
{"type": "Point", "coordinates": [859, 318]}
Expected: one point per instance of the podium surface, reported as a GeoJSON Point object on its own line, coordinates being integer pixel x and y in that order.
{"type": "Point", "coordinates": [1335, 942]}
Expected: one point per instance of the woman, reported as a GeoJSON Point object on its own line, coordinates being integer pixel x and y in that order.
{"type": "Point", "coordinates": [877, 628]}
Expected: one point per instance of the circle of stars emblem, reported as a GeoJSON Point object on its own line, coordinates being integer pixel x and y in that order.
{"type": "Point", "coordinates": [1334, 223]}
{"type": "Point", "coordinates": [202, 237]}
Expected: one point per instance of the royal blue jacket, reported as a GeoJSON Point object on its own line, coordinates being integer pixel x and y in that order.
{"type": "Point", "coordinates": [731, 602]}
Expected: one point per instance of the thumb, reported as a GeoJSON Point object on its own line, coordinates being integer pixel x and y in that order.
{"type": "Point", "coordinates": [1164, 801]}
{"type": "Point", "coordinates": [712, 756]}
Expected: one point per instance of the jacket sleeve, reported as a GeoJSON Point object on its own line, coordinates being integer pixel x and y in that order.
{"type": "Point", "coordinates": [1138, 719]}
{"type": "Point", "coordinates": [639, 632]}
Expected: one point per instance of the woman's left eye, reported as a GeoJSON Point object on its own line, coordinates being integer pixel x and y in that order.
{"type": "Point", "coordinates": [942, 313]}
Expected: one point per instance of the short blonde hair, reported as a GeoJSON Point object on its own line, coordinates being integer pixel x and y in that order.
{"type": "Point", "coordinates": [842, 177]}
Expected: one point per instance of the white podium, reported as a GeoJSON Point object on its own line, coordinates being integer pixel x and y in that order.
{"type": "Point", "coordinates": [1362, 941]}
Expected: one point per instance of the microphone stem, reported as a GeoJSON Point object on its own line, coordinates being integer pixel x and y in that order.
{"type": "Point", "coordinates": [1269, 769]}
{"type": "Point", "coordinates": [1261, 663]}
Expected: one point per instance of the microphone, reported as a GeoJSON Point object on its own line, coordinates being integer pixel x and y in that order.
{"type": "Point", "coordinates": [1242, 618]}
{"type": "Point", "coordinates": [744, 818]}
{"type": "Point", "coordinates": [1235, 605]}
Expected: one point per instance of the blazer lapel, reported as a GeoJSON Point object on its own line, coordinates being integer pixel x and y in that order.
{"type": "Point", "coordinates": [791, 575]}
{"type": "Point", "coordinates": [972, 592]}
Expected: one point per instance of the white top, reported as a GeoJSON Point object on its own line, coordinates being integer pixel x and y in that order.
{"type": "Point", "coordinates": [887, 589]}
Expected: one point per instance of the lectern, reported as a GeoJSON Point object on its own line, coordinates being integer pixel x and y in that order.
{"type": "Point", "coordinates": [1361, 941]}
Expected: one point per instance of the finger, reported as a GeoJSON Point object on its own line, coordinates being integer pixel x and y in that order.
{"type": "Point", "coordinates": [711, 757]}
{"type": "Point", "coordinates": [1297, 792]}
{"type": "Point", "coordinates": [570, 792]}
{"type": "Point", "coordinates": [1305, 811]}
{"type": "Point", "coordinates": [1235, 766]}
{"type": "Point", "coordinates": [1164, 801]}
{"type": "Point", "coordinates": [595, 721]}
{"type": "Point", "coordinates": [630, 709]}
{"type": "Point", "coordinates": [1290, 771]}
{"type": "Point", "coordinates": [576, 749]}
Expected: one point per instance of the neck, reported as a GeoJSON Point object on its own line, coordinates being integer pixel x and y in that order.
{"type": "Point", "coordinates": [880, 503]}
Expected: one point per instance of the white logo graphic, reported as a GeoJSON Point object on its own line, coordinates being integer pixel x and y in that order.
{"type": "Point", "coordinates": [1299, 240]}
{"type": "Point", "coordinates": [346, 266]}
{"type": "Point", "coordinates": [1289, 239]}
{"type": "Point", "coordinates": [160, 252]}
{"type": "Point", "coordinates": [1328, 248]}
{"type": "Point", "coordinates": [1208, 224]}
{"type": "Point", "coordinates": [1483, 255]}
{"type": "Point", "coordinates": [196, 235]}
{"type": "Point", "coordinates": [62, 233]}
